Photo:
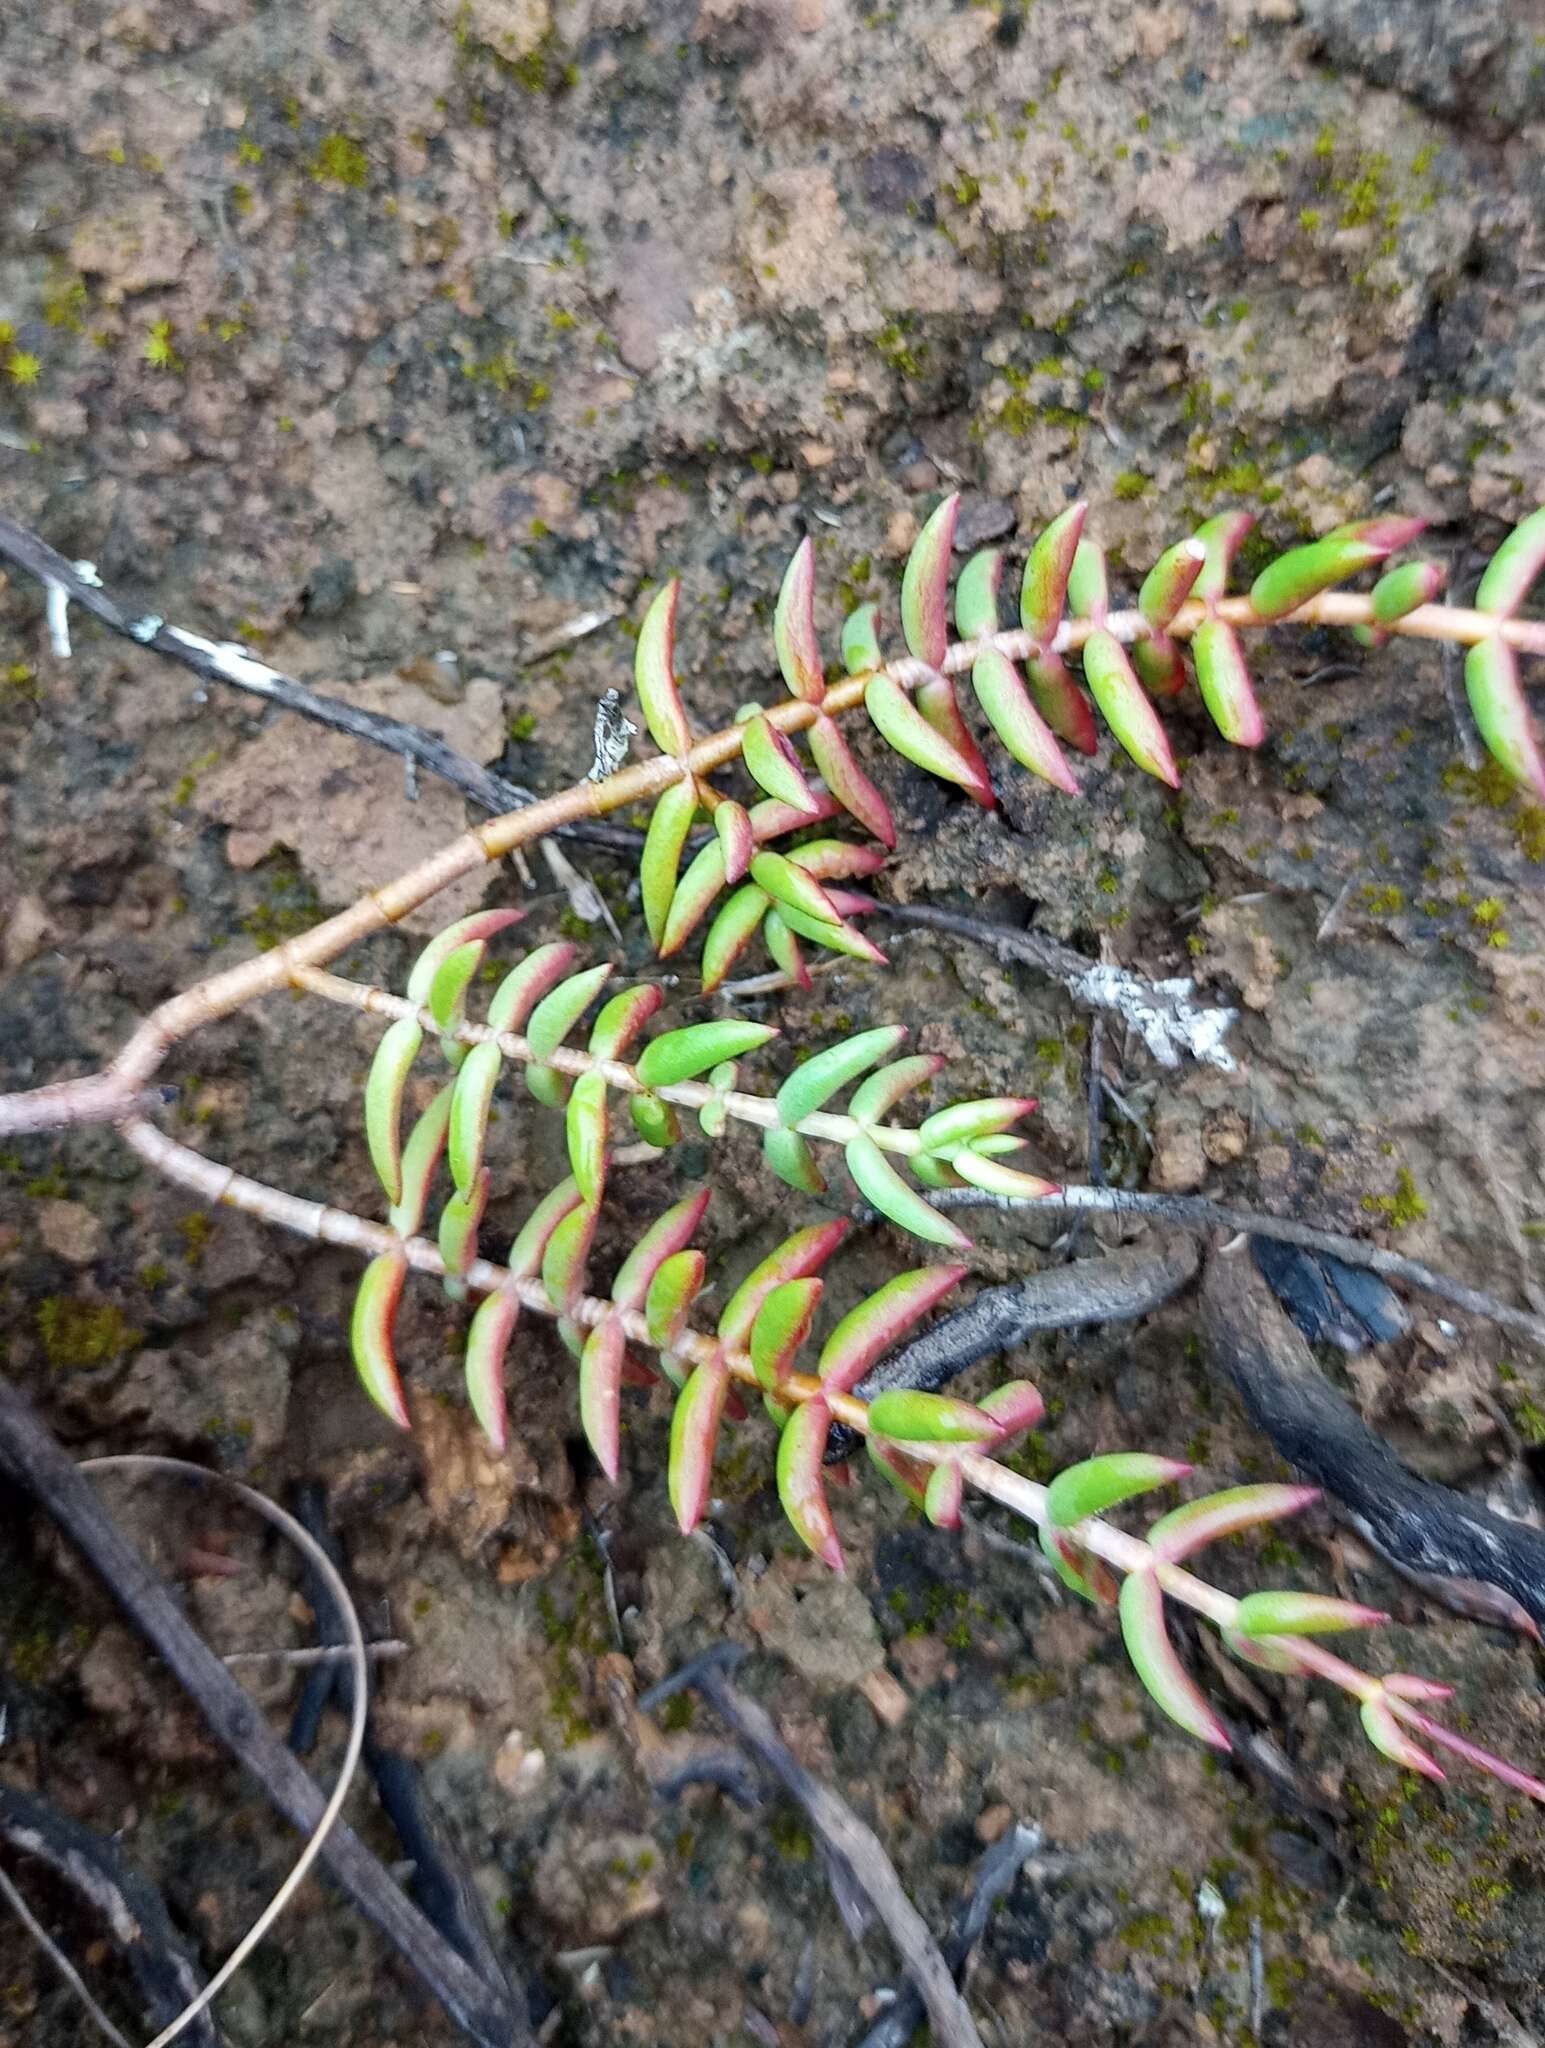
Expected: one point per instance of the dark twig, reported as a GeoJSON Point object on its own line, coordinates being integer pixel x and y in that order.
{"type": "Point", "coordinates": [234, 666]}
{"type": "Point", "coordinates": [1417, 1523]}
{"type": "Point", "coordinates": [131, 1910]}
{"type": "Point", "coordinates": [30, 1457]}
{"type": "Point", "coordinates": [848, 1843]}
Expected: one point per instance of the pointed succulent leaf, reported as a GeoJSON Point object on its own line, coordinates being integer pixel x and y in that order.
{"type": "Point", "coordinates": [912, 1417]}
{"type": "Point", "coordinates": [1513, 568]}
{"type": "Point", "coordinates": [785, 949]}
{"type": "Point", "coordinates": [586, 1125]}
{"type": "Point", "coordinates": [976, 595]}
{"type": "Point", "coordinates": [962, 1122]}
{"type": "Point", "coordinates": [735, 925]}
{"type": "Point", "coordinates": [1502, 713]}
{"type": "Point", "coordinates": [530, 1244]}
{"type": "Point", "coordinates": [789, 885]}
{"type": "Point", "coordinates": [933, 1173]}
{"type": "Point", "coordinates": [1483, 1760]}
{"type": "Point", "coordinates": [471, 1099]}
{"type": "Point", "coordinates": [660, 863]}
{"type": "Point", "coordinates": [420, 1157]}
{"type": "Point", "coordinates": [564, 1255]}
{"type": "Point", "coordinates": [908, 1475]}
{"type": "Point", "coordinates": [370, 1333]}
{"type": "Point", "coordinates": [837, 860]}
{"type": "Point", "coordinates": [482, 924]}
{"type": "Point", "coordinates": [488, 1340]}
{"type": "Point", "coordinates": [666, 1236]}
{"type": "Point", "coordinates": [1100, 1483]}
{"type": "Point", "coordinates": [1127, 707]}
{"type": "Point", "coordinates": [654, 674]}
{"type": "Point", "coordinates": [925, 585]}
{"type": "Point", "coordinates": [935, 698]}
{"type": "Point", "coordinates": [1160, 666]}
{"type": "Point", "coordinates": [943, 1495]}
{"type": "Point", "coordinates": [448, 990]}
{"type": "Point", "coordinates": [867, 1332]}
{"type": "Point", "coordinates": [526, 984]}
{"type": "Point", "coordinates": [1302, 1614]}
{"type": "Point", "coordinates": [1021, 728]}
{"type": "Point", "coordinates": [861, 640]}
{"type": "Point", "coordinates": [990, 1174]}
{"type": "Point", "coordinates": [1304, 572]}
{"type": "Point", "coordinates": [1266, 1655]}
{"type": "Point", "coordinates": [682, 1055]}
{"type": "Point", "coordinates": [561, 1009]}
{"type": "Point", "coordinates": [1156, 1663]}
{"type": "Point", "coordinates": [548, 1086]}
{"type": "Point", "coordinates": [677, 1283]}
{"type": "Point", "coordinates": [812, 1085]}
{"type": "Point", "coordinates": [394, 1057]}
{"type": "Point", "coordinates": [1014, 1406]}
{"type": "Point", "coordinates": [1062, 703]}
{"type": "Point", "coordinates": [847, 782]}
{"type": "Point", "coordinates": [1406, 1686]}
{"type": "Point", "coordinates": [899, 721]}
{"type": "Point", "coordinates": [1168, 583]}
{"type": "Point", "coordinates": [801, 1482]}
{"type": "Point", "coordinates": [1386, 1734]}
{"type": "Point", "coordinates": [1224, 681]}
{"type": "Point", "coordinates": [836, 938]}
{"type": "Point", "coordinates": [794, 634]}
{"type": "Point", "coordinates": [773, 765]}
{"type": "Point", "coordinates": [732, 822]}
{"type": "Point", "coordinates": [873, 1100]}
{"type": "Point", "coordinates": [623, 1018]}
{"type": "Point", "coordinates": [879, 1183]}
{"type": "Point", "coordinates": [1401, 590]}
{"type": "Point", "coordinates": [782, 1324]}
{"type": "Point", "coordinates": [697, 888]}
{"type": "Point", "coordinates": [1184, 1530]}
{"type": "Point", "coordinates": [791, 1159]}
{"type": "Point", "coordinates": [1044, 590]}
{"type": "Point", "coordinates": [600, 1393]}
{"type": "Point", "coordinates": [1079, 1570]}
{"type": "Point", "coordinates": [694, 1433]}
{"type": "Point", "coordinates": [1088, 585]}
{"type": "Point", "coordinates": [1221, 539]}
{"type": "Point", "coordinates": [800, 1255]}
{"type": "Point", "coordinates": [460, 1221]}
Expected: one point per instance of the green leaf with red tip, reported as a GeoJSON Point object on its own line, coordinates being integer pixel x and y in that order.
{"type": "Point", "coordinates": [1302, 1614]}
{"type": "Point", "coordinates": [1184, 1530]}
{"type": "Point", "coordinates": [1224, 681]}
{"type": "Point", "coordinates": [677, 1283]}
{"type": "Point", "coordinates": [394, 1057]}
{"type": "Point", "coordinates": [994, 1178]}
{"type": "Point", "coordinates": [1062, 703]}
{"type": "Point", "coordinates": [694, 1434]}
{"type": "Point", "coordinates": [962, 1122]}
{"type": "Point", "coordinates": [564, 1256]}
{"type": "Point", "coordinates": [482, 924]}
{"type": "Point", "coordinates": [1266, 1655]}
{"type": "Point", "coordinates": [1513, 568]}
{"type": "Point", "coordinates": [873, 1100]}
{"type": "Point", "coordinates": [867, 1332]}
{"type": "Point", "coordinates": [794, 634]}
{"type": "Point", "coordinates": [1079, 1571]}
{"type": "Point", "coordinates": [796, 1258]}
{"type": "Point", "coordinates": [836, 938]}
{"type": "Point", "coordinates": [623, 1018]}
{"type": "Point", "coordinates": [1014, 1406]}
{"type": "Point", "coordinates": [735, 925]}
{"type": "Point", "coordinates": [908, 1475]}
{"type": "Point", "coordinates": [847, 782]}
{"type": "Point", "coordinates": [1021, 728]}
{"type": "Point", "coordinates": [1304, 572]}
{"type": "Point", "coordinates": [370, 1333]}
{"type": "Point", "coordinates": [420, 1157]}
{"type": "Point", "coordinates": [790, 886]}
{"type": "Point", "coordinates": [682, 1055]}
{"type": "Point", "coordinates": [1088, 585]}
{"type": "Point", "coordinates": [488, 1341]}
{"type": "Point", "coordinates": [586, 1125]}
{"type": "Point", "coordinates": [1155, 1661]}
{"type": "Point", "coordinates": [654, 674]}
{"type": "Point", "coordinates": [1127, 707]}
{"type": "Point", "coordinates": [732, 823]}
{"type": "Point", "coordinates": [548, 1086]}
{"type": "Point", "coordinates": [899, 722]}
{"type": "Point", "coordinates": [666, 1236]}
{"type": "Point", "coordinates": [1160, 666]}
{"type": "Point", "coordinates": [976, 595]}
{"type": "Point", "coordinates": [791, 1159]}
{"type": "Point", "coordinates": [942, 1496]}
{"type": "Point", "coordinates": [530, 1244]}
{"type": "Point", "coordinates": [935, 698]}
{"type": "Point", "coordinates": [785, 949]}
{"type": "Point", "coordinates": [925, 585]}
{"type": "Point", "coordinates": [782, 1324]}
{"type": "Point", "coordinates": [448, 990]}
{"type": "Point", "coordinates": [1502, 713]}
{"type": "Point", "coordinates": [1221, 539]}
{"type": "Point", "coordinates": [600, 1393]}
{"type": "Point", "coordinates": [1402, 590]}
{"type": "Point", "coordinates": [460, 1221]}
{"type": "Point", "coordinates": [1100, 1483]}
{"type": "Point", "coordinates": [471, 1100]}
{"type": "Point", "coordinates": [812, 1085]}
{"type": "Point", "coordinates": [879, 1182]}
{"type": "Point", "coordinates": [919, 1418]}
{"type": "Point", "coordinates": [802, 1483]}
{"type": "Point", "coordinates": [526, 984]}
{"type": "Point", "coordinates": [697, 888]}
{"type": "Point", "coordinates": [1405, 1685]}
{"type": "Point", "coordinates": [1387, 1735]}
{"type": "Point", "coordinates": [660, 863]}
{"type": "Point", "coordinates": [773, 765]}
{"type": "Point", "coordinates": [1168, 583]}
{"type": "Point", "coordinates": [837, 860]}
{"type": "Point", "coordinates": [1044, 590]}
{"type": "Point", "coordinates": [861, 640]}
{"type": "Point", "coordinates": [561, 1009]}
{"type": "Point", "coordinates": [656, 1122]}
